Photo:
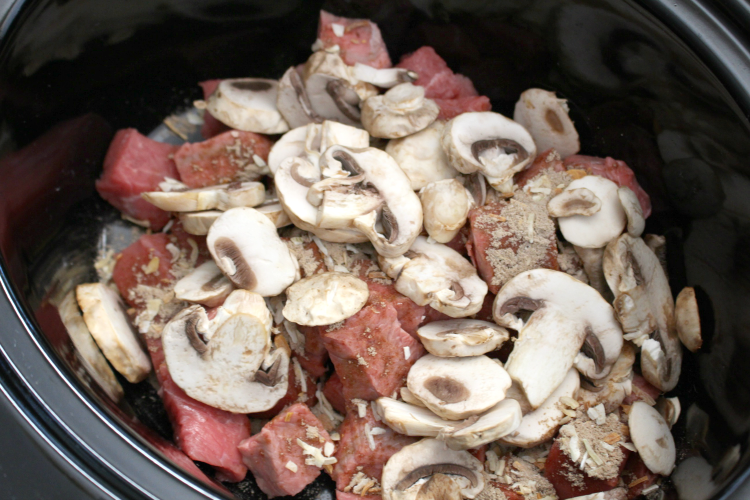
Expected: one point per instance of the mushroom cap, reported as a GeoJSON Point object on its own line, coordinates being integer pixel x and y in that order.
{"type": "Point", "coordinates": [435, 274]}
{"type": "Point", "coordinates": [205, 285]}
{"type": "Point", "coordinates": [461, 337]}
{"type": "Point", "coordinates": [289, 145]}
{"type": "Point", "coordinates": [615, 387]}
{"type": "Point", "coordinates": [490, 143]}
{"type": "Point", "coordinates": [223, 371]}
{"type": "Point", "coordinates": [247, 104]}
{"type": "Point", "coordinates": [325, 298]}
{"type": "Point", "coordinates": [595, 231]}
{"type": "Point", "coordinates": [566, 314]}
{"type": "Point", "coordinates": [421, 156]}
{"type": "Point", "coordinates": [222, 197]}
{"type": "Point", "coordinates": [446, 206]}
{"type": "Point", "coordinates": [542, 424]}
{"type": "Point", "coordinates": [580, 201]}
{"type": "Point", "coordinates": [687, 319]}
{"type": "Point", "coordinates": [248, 250]}
{"type": "Point", "coordinates": [633, 211]}
{"type": "Point", "coordinates": [497, 422]}
{"type": "Point", "coordinates": [457, 388]}
{"type": "Point", "coordinates": [292, 100]}
{"type": "Point", "coordinates": [197, 223]}
{"type": "Point", "coordinates": [105, 318]}
{"type": "Point", "coordinates": [546, 118]}
{"type": "Point", "coordinates": [406, 469]}
{"type": "Point", "coordinates": [401, 111]}
{"type": "Point", "coordinates": [652, 438]}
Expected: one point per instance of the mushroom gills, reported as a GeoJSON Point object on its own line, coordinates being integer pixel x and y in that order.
{"type": "Point", "coordinates": [292, 100]}
{"type": "Point", "coordinates": [248, 104]}
{"type": "Point", "coordinates": [205, 285]}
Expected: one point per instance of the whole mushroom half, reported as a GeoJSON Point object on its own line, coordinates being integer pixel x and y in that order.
{"type": "Point", "coordinates": [325, 298]}
{"type": "Point", "coordinates": [490, 143]}
{"type": "Point", "coordinates": [401, 111]}
{"type": "Point", "coordinates": [446, 206]}
{"type": "Point", "coordinates": [645, 308]}
{"type": "Point", "coordinates": [248, 104]}
{"type": "Point", "coordinates": [435, 274]}
{"type": "Point", "coordinates": [546, 118]}
{"type": "Point", "coordinates": [567, 317]}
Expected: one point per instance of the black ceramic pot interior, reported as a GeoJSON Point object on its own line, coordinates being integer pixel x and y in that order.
{"type": "Point", "coordinates": [72, 72]}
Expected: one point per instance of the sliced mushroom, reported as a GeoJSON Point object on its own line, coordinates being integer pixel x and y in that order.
{"type": "Point", "coordinates": [383, 78]}
{"type": "Point", "coordinates": [633, 211]}
{"type": "Point", "coordinates": [292, 100]}
{"type": "Point", "coordinates": [401, 111]}
{"type": "Point", "coordinates": [669, 409]}
{"type": "Point", "coordinates": [546, 118]}
{"type": "Point", "coordinates": [248, 104]}
{"type": "Point", "coordinates": [329, 63]}
{"type": "Point", "coordinates": [446, 206]}
{"type": "Point", "coordinates": [86, 349]}
{"type": "Point", "coordinates": [457, 388]}
{"type": "Point", "coordinates": [334, 98]}
{"type": "Point", "coordinates": [221, 197]}
{"type": "Point", "coordinates": [290, 145]}
{"type": "Point", "coordinates": [687, 319]}
{"type": "Point", "coordinates": [645, 308]}
{"type": "Point", "coordinates": [240, 302]}
{"type": "Point", "coordinates": [658, 244]}
{"type": "Point", "coordinates": [652, 438]}
{"type": "Point", "coordinates": [406, 472]}
{"type": "Point", "coordinates": [247, 249]}
{"type": "Point", "coordinates": [409, 419]}
{"type": "Point", "coordinates": [567, 316]}
{"type": "Point", "coordinates": [109, 325]}
{"type": "Point", "coordinates": [325, 298]}
{"type": "Point", "coordinates": [571, 263]}
{"type": "Point", "coordinates": [496, 423]}
{"type": "Point", "coordinates": [615, 494]}
{"type": "Point", "coordinates": [337, 134]}
{"type": "Point", "coordinates": [579, 201]}
{"type": "Point", "coordinates": [542, 424]}
{"type": "Point", "coordinates": [206, 285]}
{"type": "Point", "coordinates": [421, 156]}
{"type": "Point", "coordinates": [594, 231]}
{"type": "Point", "coordinates": [615, 387]}
{"type": "Point", "coordinates": [227, 371]}
{"type": "Point", "coordinates": [490, 143]}
{"type": "Point", "coordinates": [461, 337]}
{"type": "Point", "coordinates": [197, 223]}
{"type": "Point", "coordinates": [435, 274]}
{"type": "Point", "coordinates": [275, 213]}
{"type": "Point", "coordinates": [592, 259]}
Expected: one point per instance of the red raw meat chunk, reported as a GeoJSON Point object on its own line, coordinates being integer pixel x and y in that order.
{"type": "Point", "coordinates": [544, 161]}
{"type": "Point", "coordinates": [458, 243]}
{"type": "Point", "coordinates": [267, 453]}
{"type": "Point", "coordinates": [635, 469]}
{"type": "Point", "coordinates": [433, 315]}
{"type": "Point", "coordinates": [368, 351]}
{"type": "Point", "coordinates": [615, 170]}
{"type": "Point", "coordinates": [315, 355]}
{"type": "Point", "coordinates": [204, 433]}
{"type": "Point", "coordinates": [642, 391]}
{"type": "Point", "coordinates": [334, 393]}
{"type": "Point", "coordinates": [211, 126]}
{"type": "Point", "coordinates": [556, 470]}
{"type": "Point", "coordinates": [130, 268]}
{"type": "Point", "coordinates": [479, 453]}
{"type": "Point", "coordinates": [221, 159]}
{"type": "Point", "coordinates": [451, 108]}
{"type": "Point", "coordinates": [361, 41]}
{"type": "Point", "coordinates": [354, 448]}
{"type": "Point", "coordinates": [293, 394]}
{"type": "Point", "coordinates": [175, 455]}
{"type": "Point", "coordinates": [136, 164]}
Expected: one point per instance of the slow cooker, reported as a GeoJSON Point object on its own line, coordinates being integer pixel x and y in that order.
{"type": "Point", "coordinates": [661, 84]}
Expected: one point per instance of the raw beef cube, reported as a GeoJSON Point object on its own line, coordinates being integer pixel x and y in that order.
{"type": "Point", "coordinates": [135, 164]}
{"type": "Point", "coordinates": [315, 355]}
{"type": "Point", "coordinates": [635, 469]}
{"type": "Point", "coordinates": [294, 394]}
{"type": "Point", "coordinates": [368, 352]}
{"type": "Point", "coordinates": [334, 393]}
{"type": "Point", "coordinates": [356, 453]}
{"type": "Point", "coordinates": [133, 267]}
{"type": "Point", "coordinates": [204, 433]}
{"type": "Point", "coordinates": [427, 63]}
{"type": "Point", "coordinates": [360, 42]}
{"type": "Point", "coordinates": [211, 126]}
{"type": "Point", "coordinates": [615, 170]}
{"type": "Point", "coordinates": [558, 467]}
{"type": "Point", "coordinates": [642, 391]}
{"type": "Point", "coordinates": [225, 158]}
{"type": "Point", "coordinates": [275, 457]}
{"type": "Point", "coordinates": [451, 108]}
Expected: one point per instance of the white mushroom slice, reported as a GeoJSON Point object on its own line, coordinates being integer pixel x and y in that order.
{"type": "Point", "coordinates": [231, 371]}
{"type": "Point", "coordinates": [546, 118]}
{"type": "Point", "coordinates": [592, 259]}
{"type": "Point", "coordinates": [221, 197]}
{"type": "Point", "coordinates": [490, 143]}
{"type": "Point", "coordinates": [457, 388]}
{"type": "Point", "coordinates": [658, 245]}
{"type": "Point", "coordinates": [409, 419]}
{"type": "Point", "coordinates": [405, 472]}
{"type": "Point", "coordinates": [409, 398]}
{"type": "Point", "coordinates": [461, 337]}
{"type": "Point", "coordinates": [248, 104]}
{"type": "Point", "coordinates": [567, 316]}
{"type": "Point", "coordinates": [669, 409]}
{"type": "Point", "coordinates": [446, 206]}
{"type": "Point", "coordinates": [240, 302]}
{"type": "Point", "coordinates": [109, 325]}
{"type": "Point", "coordinates": [401, 111]}
{"type": "Point", "coordinates": [652, 438]}
{"type": "Point", "coordinates": [383, 78]}
{"type": "Point", "coordinates": [687, 319]}
{"type": "Point", "coordinates": [437, 275]}
{"type": "Point", "coordinates": [645, 308]}
{"type": "Point", "coordinates": [206, 285]}
{"type": "Point", "coordinates": [247, 249]}
{"type": "Point", "coordinates": [615, 387]}
{"type": "Point", "coordinates": [292, 100]}
{"type": "Point", "coordinates": [325, 298]}
{"type": "Point", "coordinates": [496, 423]}
{"type": "Point", "coordinates": [337, 134]}
{"type": "Point", "coordinates": [542, 424]}
{"type": "Point", "coordinates": [275, 213]}
{"type": "Point", "coordinates": [615, 494]}
{"type": "Point", "coordinates": [197, 223]}
{"type": "Point", "coordinates": [86, 349]}
{"type": "Point", "coordinates": [289, 145]}
{"type": "Point", "coordinates": [333, 98]}
{"type": "Point", "coordinates": [570, 202]}
{"type": "Point", "coordinates": [329, 63]}
{"type": "Point", "coordinates": [421, 156]}
{"type": "Point", "coordinates": [694, 479]}
{"type": "Point", "coordinates": [594, 231]}
{"type": "Point", "coordinates": [633, 211]}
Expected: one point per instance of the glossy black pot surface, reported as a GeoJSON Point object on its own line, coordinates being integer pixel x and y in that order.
{"type": "Point", "coordinates": [669, 97]}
